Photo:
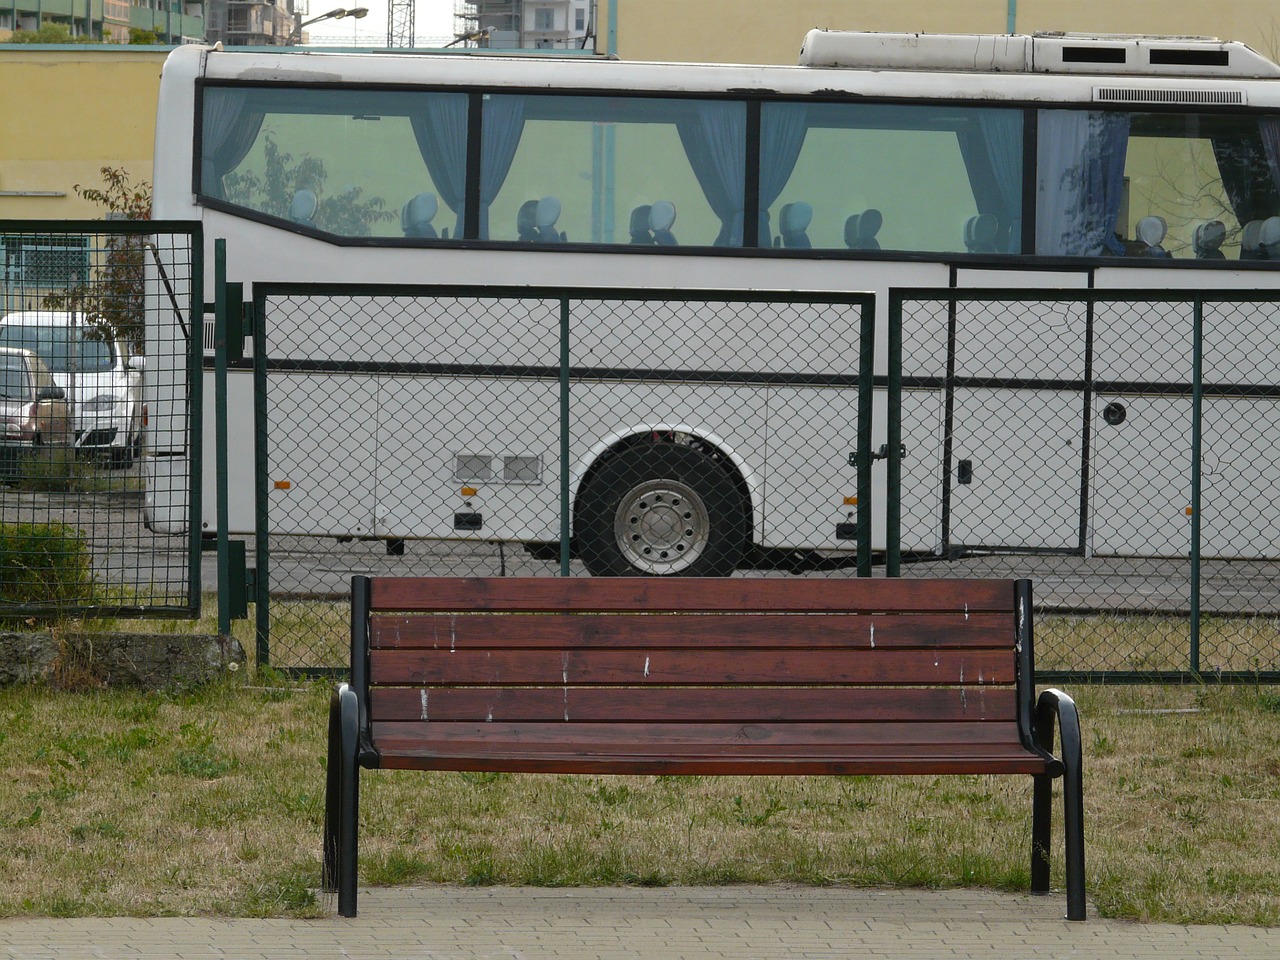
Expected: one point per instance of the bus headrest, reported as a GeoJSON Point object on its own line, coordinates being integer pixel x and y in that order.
{"type": "Point", "coordinates": [548, 212]}
{"type": "Point", "coordinates": [418, 212]}
{"type": "Point", "coordinates": [662, 214]}
{"type": "Point", "coordinates": [303, 207]}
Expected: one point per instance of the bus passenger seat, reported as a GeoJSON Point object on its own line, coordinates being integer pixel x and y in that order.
{"type": "Point", "coordinates": [640, 233]}
{"type": "Point", "coordinates": [303, 208]}
{"type": "Point", "coordinates": [981, 233]}
{"type": "Point", "coordinates": [548, 212]}
{"type": "Point", "coordinates": [861, 228]}
{"type": "Point", "coordinates": [662, 215]}
{"type": "Point", "coordinates": [527, 221]}
{"type": "Point", "coordinates": [1150, 232]}
{"type": "Point", "coordinates": [793, 224]}
{"type": "Point", "coordinates": [416, 216]}
{"type": "Point", "coordinates": [1207, 240]}
{"type": "Point", "coordinates": [1269, 238]}
{"type": "Point", "coordinates": [1251, 241]}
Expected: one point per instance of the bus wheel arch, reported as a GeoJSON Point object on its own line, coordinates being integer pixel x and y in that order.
{"type": "Point", "coordinates": [663, 503]}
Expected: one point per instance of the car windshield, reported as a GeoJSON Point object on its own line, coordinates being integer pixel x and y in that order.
{"type": "Point", "coordinates": [13, 378]}
{"type": "Point", "coordinates": [54, 345]}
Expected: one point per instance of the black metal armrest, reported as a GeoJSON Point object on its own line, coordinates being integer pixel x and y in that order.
{"type": "Point", "coordinates": [1056, 709]}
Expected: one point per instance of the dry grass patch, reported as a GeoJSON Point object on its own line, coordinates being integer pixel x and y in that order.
{"type": "Point", "coordinates": [212, 802]}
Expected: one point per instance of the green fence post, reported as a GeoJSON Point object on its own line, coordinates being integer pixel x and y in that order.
{"type": "Point", "coordinates": [866, 383]}
{"type": "Point", "coordinates": [893, 448]}
{"type": "Point", "coordinates": [1197, 411]}
{"type": "Point", "coordinates": [262, 561]}
{"type": "Point", "coordinates": [220, 431]}
{"type": "Point", "coordinates": [565, 529]}
{"type": "Point", "coordinates": [195, 420]}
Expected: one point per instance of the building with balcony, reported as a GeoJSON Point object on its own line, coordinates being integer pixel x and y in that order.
{"type": "Point", "coordinates": [250, 23]}
{"type": "Point", "coordinates": [172, 21]}
{"type": "Point", "coordinates": [526, 24]}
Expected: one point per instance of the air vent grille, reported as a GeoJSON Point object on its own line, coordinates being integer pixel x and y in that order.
{"type": "Point", "coordinates": [1185, 97]}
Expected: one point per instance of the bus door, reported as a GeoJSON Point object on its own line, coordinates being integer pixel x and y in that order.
{"type": "Point", "coordinates": [1015, 427]}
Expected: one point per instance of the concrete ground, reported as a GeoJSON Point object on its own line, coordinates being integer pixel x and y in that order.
{"type": "Point", "coordinates": [690, 923]}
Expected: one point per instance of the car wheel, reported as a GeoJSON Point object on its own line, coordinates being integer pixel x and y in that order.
{"type": "Point", "coordinates": [662, 510]}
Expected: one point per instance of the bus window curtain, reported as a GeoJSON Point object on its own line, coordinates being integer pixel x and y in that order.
{"type": "Point", "coordinates": [228, 133]}
{"type": "Point", "coordinates": [715, 141]}
{"type": "Point", "coordinates": [441, 132]}
{"type": "Point", "coordinates": [1269, 128]}
{"type": "Point", "coordinates": [1250, 169]}
{"type": "Point", "coordinates": [1080, 187]}
{"type": "Point", "coordinates": [992, 153]}
{"type": "Point", "coordinates": [782, 131]}
{"type": "Point", "coordinates": [501, 126]}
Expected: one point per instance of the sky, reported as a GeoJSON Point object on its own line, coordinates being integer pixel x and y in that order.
{"type": "Point", "coordinates": [432, 21]}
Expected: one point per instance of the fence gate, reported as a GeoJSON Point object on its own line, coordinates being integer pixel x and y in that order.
{"type": "Point", "coordinates": [446, 431]}
{"type": "Point", "coordinates": [83, 304]}
{"type": "Point", "coordinates": [1118, 448]}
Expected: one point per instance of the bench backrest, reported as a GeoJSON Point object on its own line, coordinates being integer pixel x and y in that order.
{"type": "Point", "coordinates": [695, 652]}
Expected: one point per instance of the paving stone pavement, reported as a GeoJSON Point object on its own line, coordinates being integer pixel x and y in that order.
{"type": "Point", "coordinates": [689, 923]}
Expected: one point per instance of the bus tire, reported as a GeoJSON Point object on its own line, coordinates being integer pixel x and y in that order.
{"type": "Point", "coordinates": [661, 510]}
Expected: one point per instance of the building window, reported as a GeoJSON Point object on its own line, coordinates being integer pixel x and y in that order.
{"type": "Point", "coordinates": [580, 19]}
{"type": "Point", "coordinates": [543, 18]}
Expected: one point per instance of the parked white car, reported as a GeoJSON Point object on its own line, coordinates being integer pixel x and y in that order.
{"type": "Point", "coordinates": [101, 376]}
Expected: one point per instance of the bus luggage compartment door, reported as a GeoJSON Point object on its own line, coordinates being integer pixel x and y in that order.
{"type": "Point", "coordinates": [1015, 475]}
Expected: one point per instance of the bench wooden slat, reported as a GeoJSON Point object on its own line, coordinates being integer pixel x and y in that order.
{"type": "Point", "coordinates": [647, 594]}
{"type": "Point", "coordinates": [718, 765]}
{"type": "Point", "coordinates": [657, 736]}
{"type": "Point", "coordinates": [724, 703]}
{"type": "Point", "coordinates": [692, 667]}
{"type": "Point", "coordinates": [556, 631]}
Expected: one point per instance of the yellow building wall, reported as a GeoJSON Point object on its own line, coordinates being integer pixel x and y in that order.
{"type": "Point", "coordinates": [67, 114]}
{"type": "Point", "coordinates": [770, 31]}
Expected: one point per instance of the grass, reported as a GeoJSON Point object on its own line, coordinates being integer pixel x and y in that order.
{"type": "Point", "coordinates": [211, 802]}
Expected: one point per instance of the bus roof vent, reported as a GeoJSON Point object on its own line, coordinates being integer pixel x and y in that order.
{"type": "Point", "coordinates": [1191, 97]}
{"type": "Point", "coordinates": [1058, 53]}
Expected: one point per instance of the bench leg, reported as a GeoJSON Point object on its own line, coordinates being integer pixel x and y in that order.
{"type": "Point", "coordinates": [342, 801]}
{"type": "Point", "coordinates": [332, 795]}
{"type": "Point", "coordinates": [1055, 703]}
{"type": "Point", "coordinates": [1041, 833]}
{"type": "Point", "coordinates": [1073, 815]}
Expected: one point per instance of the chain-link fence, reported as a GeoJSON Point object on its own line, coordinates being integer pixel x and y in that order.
{"type": "Point", "coordinates": [1118, 448]}
{"type": "Point", "coordinates": [86, 308]}
{"type": "Point", "coordinates": [545, 433]}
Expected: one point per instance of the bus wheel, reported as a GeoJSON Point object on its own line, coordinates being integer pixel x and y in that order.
{"type": "Point", "coordinates": [661, 510]}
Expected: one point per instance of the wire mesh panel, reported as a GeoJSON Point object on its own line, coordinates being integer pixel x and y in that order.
{"type": "Point", "coordinates": [95, 360]}
{"type": "Point", "coordinates": [1239, 521]}
{"type": "Point", "coordinates": [1056, 435]}
{"type": "Point", "coordinates": [448, 432]}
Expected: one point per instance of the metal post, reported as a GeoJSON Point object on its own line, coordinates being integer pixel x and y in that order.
{"type": "Point", "coordinates": [565, 528]}
{"type": "Point", "coordinates": [195, 418]}
{"type": "Point", "coordinates": [262, 543]}
{"type": "Point", "coordinates": [866, 384]}
{"type": "Point", "coordinates": [1012, 25]}
{"type": "Point", "coordinates": [893, 448]}
{"type": "Point", "coordinates": [220, 431]}
{"type": "Point", "coordinates": [1197, 410]}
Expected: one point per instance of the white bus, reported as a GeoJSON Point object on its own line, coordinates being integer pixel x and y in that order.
{"type": "Point", "coordinates": [880, 161]}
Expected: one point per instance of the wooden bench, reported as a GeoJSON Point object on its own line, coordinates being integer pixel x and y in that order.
{"type": "Point", "coordinates": [674, 676]}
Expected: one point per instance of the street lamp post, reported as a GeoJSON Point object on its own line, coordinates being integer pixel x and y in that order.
{"type": "Point", "coordinates": [338, 14]}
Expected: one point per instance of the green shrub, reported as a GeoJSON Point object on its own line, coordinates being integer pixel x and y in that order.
{"type": "Point", "coordinates": [43, 564]}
